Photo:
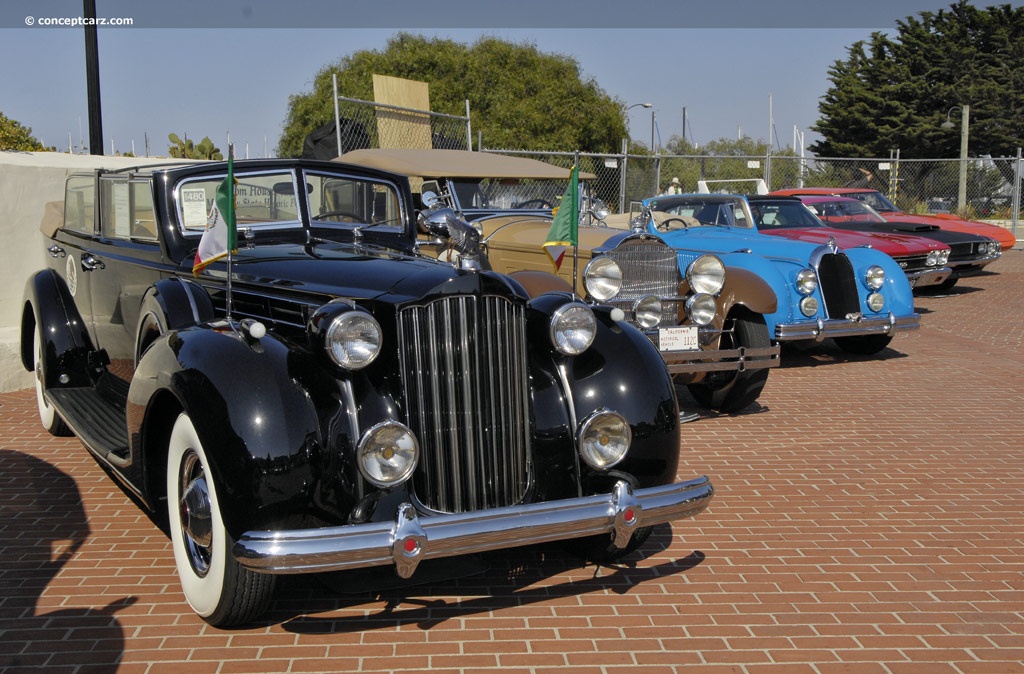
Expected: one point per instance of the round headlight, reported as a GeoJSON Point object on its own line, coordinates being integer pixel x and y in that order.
{"type": "Point", "coordinates": [808, 306]}
{"type": "Point", "coordinates": [602, 278]}
{"type": "Point", "coordinates": [573, 328]}
{"type": "Point", "coordinates": [353, 339]}
{"type": "Point", "coordinates": [388, 453]}
{"type": "Point", "coordinates": [647, 311]}
{"type": "Point", "coordinates": [943, 257]}
{"type": "Point", "coordinates": [933, 258]}
{"type": "Point", "coordinates": [874, 277]}
{"type": "Point", "coordinates": [876, 301]}
{"type": "Point", "coordinates": [604, 439]}
{"type": "Point", "coordinates": [706, 274]}
{"type": "Point", "coordinates": [806, 281]}
{"type": "Point", "coordinates": [600, 210]}
{"type": "Point", "coordinates": [701, 308]}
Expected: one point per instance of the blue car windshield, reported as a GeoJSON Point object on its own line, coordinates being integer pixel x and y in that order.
{"type": "Point", "coordinates": [709, 211]}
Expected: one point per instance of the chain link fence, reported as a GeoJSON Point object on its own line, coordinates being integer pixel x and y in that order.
{"type": "Point", "coordinates": [982, 188]}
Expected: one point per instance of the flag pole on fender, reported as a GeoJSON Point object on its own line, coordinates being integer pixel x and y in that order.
{"type": "Point", "coordinates": [220, 236]}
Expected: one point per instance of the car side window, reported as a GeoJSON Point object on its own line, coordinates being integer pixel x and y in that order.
{"type": "Point", "coordinates": [126, 209]}
{"type": "Point", "coordinates": [80, 204]}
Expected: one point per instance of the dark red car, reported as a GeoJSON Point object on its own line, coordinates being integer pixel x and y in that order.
{"type": "Point", "coordinates": [891, 213]}
{"type": "Point", "coordinates": [923, 260]}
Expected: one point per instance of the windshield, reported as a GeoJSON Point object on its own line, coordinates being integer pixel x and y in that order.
{"type": "Point", "coordinates": [508, 193]}
{"type": "Point", "coordinates": [847, 210]}
{"type": "Point", "coordinates": [783, 215]}
{"type": "Point", "coordinates": [875, 200]}
{"type": "Point", "coordinates": [731, 212]}
{"type": "Point", "coordinates": [267, 199]}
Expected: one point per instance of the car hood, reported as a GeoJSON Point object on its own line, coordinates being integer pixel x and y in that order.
{"type": "Point", "coordinates": [891, 244]}
{"type": "Point", "coordinates": [1004, 236]}
{"type": "Point", "coordinates": [330, 270]}
{"type": "Point", "coordinates": [724, 240]}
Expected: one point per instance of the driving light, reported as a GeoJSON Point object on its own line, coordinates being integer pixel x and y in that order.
{"type": "Point", "coordinates": [706, 274]}
{"type": "Point", "coordinates": [573, 328]}
{"type": "Point", "coordinates": [701, 308]}
{"type": "Point", "coordinates": [874, 277]}
{"type": "Point", "coordinates": [808, 306]}
{"type": "Point", "coordinates": [353, 339]}
{"type": "Point", "coordinates": [876, 301]}
{"type": "Point", "coordinates": [388, 453]}
{"type": "Point", "coordinates": [604, 438]}
{"type": "Point", "coordinates": [647, 311]}
{"type": "Point", "coordinates": [602, 278]}
{"type": "Point", "coordinates": [806, 281]}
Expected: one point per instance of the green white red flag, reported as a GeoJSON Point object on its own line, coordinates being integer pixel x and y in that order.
{"type": "Point", "coordinates": [564, 230]}
{"type": "Point", "coordinates": [220, 237]}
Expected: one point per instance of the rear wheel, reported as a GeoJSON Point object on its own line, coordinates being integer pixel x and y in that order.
{"type": "Point", "coordinates": [864, 345]}
{"type": "Point", "coordinates": [220, 590]}
{"type": "Point", "coordinates": [732, 390]}
{"type": "Point", "coordinates": [48, 415]}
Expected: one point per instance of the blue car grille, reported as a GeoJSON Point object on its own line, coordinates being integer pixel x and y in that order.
{"type": "Point", "coordinates": [838, 285]}
{"type": "Point", "coordinates": [464, 374]}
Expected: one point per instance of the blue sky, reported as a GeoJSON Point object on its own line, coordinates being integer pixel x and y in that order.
{"type": "Point", "coordinates": [227, 68]}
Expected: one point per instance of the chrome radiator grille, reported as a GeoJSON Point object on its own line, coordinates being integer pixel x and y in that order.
{"type": "Point", "coordinates": [465, 379]}
{"type": "Point", "coordinates": [648, 268]}
{"type": "Point", "coordinates": [838, 286]}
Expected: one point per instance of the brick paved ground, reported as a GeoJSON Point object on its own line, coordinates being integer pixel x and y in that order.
{"type": "Point", "coordinates": [868, 520]}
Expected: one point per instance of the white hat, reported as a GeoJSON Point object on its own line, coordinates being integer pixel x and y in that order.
{"type": "Point", "coordinates": [675, 181]}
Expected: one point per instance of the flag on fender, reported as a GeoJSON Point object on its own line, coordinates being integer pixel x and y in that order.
{"type": "Point", "coordinates": [564, 230]}
{"type": "Point", "coordinates": [219, 237]}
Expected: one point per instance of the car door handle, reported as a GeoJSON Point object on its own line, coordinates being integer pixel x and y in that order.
{"type": "Point", "coordinates": [91, 263]}
{"type": "Point", "coordinates": [56, 251]}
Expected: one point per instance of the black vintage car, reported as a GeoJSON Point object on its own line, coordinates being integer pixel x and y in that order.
{"type": "Point", "coordinates": [342, 402]}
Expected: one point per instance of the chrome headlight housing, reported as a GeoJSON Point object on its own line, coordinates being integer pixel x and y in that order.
{"type": "Point", "coordinates": [353, 339]}
{"type": "Point", "coordinates": [706, 274]}
{"type": "Point", "coordinates": [573, 328]}
{"type": "Point", "coordinates": [874, 277]}
{"type": "Point", "coordinates": [701, 308]}
{"type": "Point", "coordinates": [388, 454]}
{"type": "Point", "coordinates": [647, 311]}
{"type": "Point", "coordinates": [602, 278]}
{"type": "Point", "coordinates": [806, 281]}
{"type": "Point", "coordinates": [604, 438]}
{"type": "Point", "coordinates": [809, 306]}
{"type": "Point", "coordinates": [933, 258]}
{"type": "Point", "coordinates": [944, 256]}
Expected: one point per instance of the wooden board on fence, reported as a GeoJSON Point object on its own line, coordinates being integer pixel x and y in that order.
{"type": "Point", "coordinates": [396, 128]}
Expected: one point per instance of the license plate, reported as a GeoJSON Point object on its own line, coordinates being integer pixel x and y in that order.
{"type": "Point", "coordinates": [680, 338]}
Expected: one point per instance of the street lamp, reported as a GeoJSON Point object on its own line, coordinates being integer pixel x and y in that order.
{"type": "Point", "coordinates": [651, 106]}
{"type": "Point", "coordinates": [965, 122]}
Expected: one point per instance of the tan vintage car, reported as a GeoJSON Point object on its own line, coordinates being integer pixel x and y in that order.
{"type": "Point", "coordinates": [705, 317]}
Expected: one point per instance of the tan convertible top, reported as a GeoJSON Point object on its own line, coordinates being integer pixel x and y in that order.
{"type": "Point", "coordinates": [456, 164]}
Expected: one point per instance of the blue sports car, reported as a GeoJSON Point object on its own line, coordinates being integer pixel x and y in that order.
{"type": "Point", "coordinates": [859, 297]}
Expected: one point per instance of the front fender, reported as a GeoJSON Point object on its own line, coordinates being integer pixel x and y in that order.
{"type": "Point", "coordinates": [257, 424]}
{"type": "Point", "coordinates": [49, 307]}
{"type": "Point", "coordinates": [744, 287]}
{"type": "Point", "coordinates": [621, 371]}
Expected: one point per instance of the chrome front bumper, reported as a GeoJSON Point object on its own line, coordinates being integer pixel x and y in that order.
{"type": "Point", "coordinates": [928, 277]}
{"type": "Point", "coordinates": [846, 327]}
{"type": "Point", "coordinates": [411, 539]}
{"type": "Point", "coordinates": [739, 359]}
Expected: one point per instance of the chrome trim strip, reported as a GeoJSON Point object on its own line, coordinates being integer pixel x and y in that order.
{"type": "Point", "coordinates": [410, 538]}
{"type": "Point", "coordinates": [832, 327]}
{"type": "Point", "coordinates": [741, 359]}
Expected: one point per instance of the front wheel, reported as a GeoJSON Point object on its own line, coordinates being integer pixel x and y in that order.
{"type": "Point", "coordinates": [48, 415]}
{"type": "Point", "coordinates": [732, 390]}
{"type": "Point", "coordinates": [220, 590]}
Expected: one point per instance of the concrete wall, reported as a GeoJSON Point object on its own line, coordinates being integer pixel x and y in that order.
{"type": "Point", "coordinates": [27, 181]}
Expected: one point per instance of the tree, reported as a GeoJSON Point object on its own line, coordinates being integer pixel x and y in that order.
{"type": "Point", "coordinates": [519, 97]}
{"type": "Point", "coordinates": [186, 149]}
{"type": "Point", "coordinates": [14, 136]}
{"type": "Point", "coordinates": [895, 92]}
